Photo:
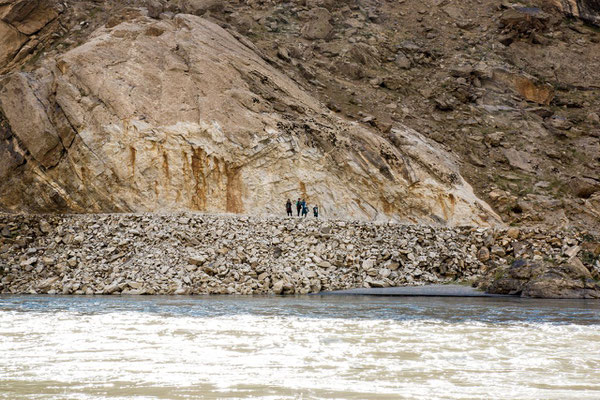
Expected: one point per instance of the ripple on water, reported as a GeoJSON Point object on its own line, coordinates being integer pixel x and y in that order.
{"type": "Point", "coordinates": [352, 348]}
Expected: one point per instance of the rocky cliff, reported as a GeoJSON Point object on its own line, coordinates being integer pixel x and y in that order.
{"type": "Point", "coordinates": [371, 109]}
{"type": "Point", "coordinates": [155, 115]}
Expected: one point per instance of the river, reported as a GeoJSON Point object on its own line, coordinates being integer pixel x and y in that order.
{"type": "Point", "coordinates": [310, 347]}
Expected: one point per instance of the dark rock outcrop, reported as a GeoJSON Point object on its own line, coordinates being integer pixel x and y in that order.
{"type": "Point", "coordinates": [571, 280]}
{"type": "Point", "coordinates": [588, 10]}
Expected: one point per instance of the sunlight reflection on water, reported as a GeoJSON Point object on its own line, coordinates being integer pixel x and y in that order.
{"type": "Point", "coordinates": [297, 347]}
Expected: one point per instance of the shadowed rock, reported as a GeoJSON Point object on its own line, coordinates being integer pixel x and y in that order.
{"type": "Point", "coordinates": [539, 279]}
{"type": "Point", "coordinates": [585, 9]}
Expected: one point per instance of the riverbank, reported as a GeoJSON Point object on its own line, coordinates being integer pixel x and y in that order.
{"type": "Point", "coordinates": [191, 253]}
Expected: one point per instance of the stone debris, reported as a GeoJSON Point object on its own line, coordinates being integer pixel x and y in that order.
{"type": "Point", "coordinates": [196, 253]}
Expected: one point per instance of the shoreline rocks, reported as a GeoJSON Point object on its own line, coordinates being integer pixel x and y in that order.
{"type": "Point", "coordinates": [542, 280]}
{"type": "Point", "coordinates": [193, 253]}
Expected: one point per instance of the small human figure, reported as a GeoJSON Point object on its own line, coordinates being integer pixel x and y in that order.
{"type": "Point", "coordinates": [299, 206]}
{"type": "Point", "coordinates": [304, 209]}
{"type": "Point", "coordinates": [288, 208]}
{"type": "Point", "coordinates": [316, 211]}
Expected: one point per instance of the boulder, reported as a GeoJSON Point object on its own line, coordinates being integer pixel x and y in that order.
{"type": "Point", "coordinates": [46, 284]}
{"type": "Point", "coordinates": [519, 159]}
{"type": "Point", "coordinates": [537, 279]}
{"type": "Point", "coordinates": [112, 288]}
{"type": "Point", "coordinates": [317, 26]}
{"type": "Point", "coordinates": [524, 19]}
{"type": "Point", "coordinates": [278, 287]}
{"type": "Point", "coordinates": [483, 254]}
{"type": "Point", "coordinates": [584, 187]}
{"type": "Point", "coordinates": [368, 264]}
{"type": "Point", "coordinates": [363, 54]}
{"type": "Point", "coordinates": [513, 233]}
{"type": "Point", "coordinates": [45, 226]}
{"type": "Point", "coordinates": [572, 251]}
{"type": "Point", "coordinates": [402, 61]}
{"type": "Point", "coordinates": [562, 283]}
{"type": "Point", "coordinates": [197, 259]}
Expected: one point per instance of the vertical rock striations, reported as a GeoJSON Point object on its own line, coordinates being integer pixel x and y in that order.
{"type": "Point", "coordinates": [177, 114]}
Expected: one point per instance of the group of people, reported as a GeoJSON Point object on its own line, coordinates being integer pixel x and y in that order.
{"type": "Point", "coordinates": [301, 208]}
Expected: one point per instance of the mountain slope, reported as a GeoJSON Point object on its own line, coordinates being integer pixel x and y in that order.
{"type": "Point", "coordinates": [507, 93]}
{"type": "Point", "coordinates": [162, 115]}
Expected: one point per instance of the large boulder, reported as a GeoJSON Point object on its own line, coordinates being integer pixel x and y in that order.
{"type": "Point", "coordinates": [539, 279]}
{"type": "Point", "coordinates": [524, 19]}
{"type": "Point", "coordinates": [584, 187]}
{"type": "Point", "coordinates": [317, 26]}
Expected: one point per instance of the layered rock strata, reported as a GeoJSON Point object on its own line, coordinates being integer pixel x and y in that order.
{"type": "Point", "coordinates": [178, 114]}
{"type": "Point", "coordinates": [586, 9]}
{"type": "Point", "coordinates": [206, 254]}
{"type": "Point", "coordinates": [25, 25]}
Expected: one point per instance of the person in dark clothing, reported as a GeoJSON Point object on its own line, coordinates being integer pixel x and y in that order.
{"type": "Point", "coordinates": [299, 206]}
{"type": "Point", "coordinates": [288, 208]}
{"type": "Point", "coordinates": [316, 211]}
{"type": "Point", "coordinates": [303, 206]}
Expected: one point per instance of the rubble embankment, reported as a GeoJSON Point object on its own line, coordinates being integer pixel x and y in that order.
{"type": "Point", "coordinates": [192, 253]}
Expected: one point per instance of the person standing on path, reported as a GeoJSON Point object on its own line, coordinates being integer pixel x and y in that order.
{"type": "Point", "coordinates": [298, 206]}
{"type": "Point", "coordinates": [304, 209]}
{"type": "Point", "coordinates": [288, 208]}
{"type": "Point", "coordinates": [316, 211]}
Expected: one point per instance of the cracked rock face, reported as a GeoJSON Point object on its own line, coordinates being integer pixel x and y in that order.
{"type": "Point", "coordinates": [178, 114]}
{"type": "Point", "coordinates": [22, 24]}
{"type": "Point", "coordinates": [585, 9]}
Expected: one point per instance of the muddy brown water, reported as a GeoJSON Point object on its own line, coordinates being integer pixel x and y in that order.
{"type": "Point", "coordinates": [311, 347]}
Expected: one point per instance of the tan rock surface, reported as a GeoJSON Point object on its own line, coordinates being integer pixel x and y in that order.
{"type": "Point", "coordinates": [178, 114]}
{"type": "Point", "coordinates": [33, 129]}
{"type": "Point", "coordinates": [11, 41]}
{"type": "Point", "coordinates": [318, 26]}
{"type": "Point", "coordinates": [28, 16]}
